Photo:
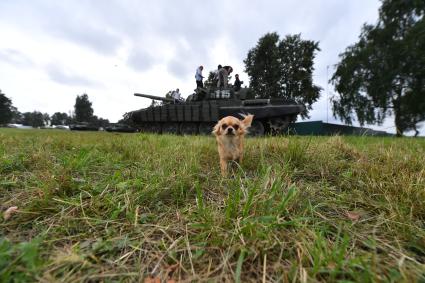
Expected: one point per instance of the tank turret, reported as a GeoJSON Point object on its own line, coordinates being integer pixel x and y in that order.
{"type": "Point", "coordinates": [202, 109]}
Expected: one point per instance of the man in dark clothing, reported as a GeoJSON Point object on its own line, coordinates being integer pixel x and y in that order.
{"type": "Point", "coordinates": [238, 83]}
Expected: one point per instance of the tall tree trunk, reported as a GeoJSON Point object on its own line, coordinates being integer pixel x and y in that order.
{"type": "Point", "coordinates": [398, 127]}
{"type": "Point", "coordinates": [397, 113]}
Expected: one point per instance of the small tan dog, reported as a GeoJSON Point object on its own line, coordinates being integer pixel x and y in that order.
{"type": "Point", "coordinates": [230, 133]}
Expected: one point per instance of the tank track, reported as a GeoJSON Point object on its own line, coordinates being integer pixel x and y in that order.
{"type": "Point", "coordinates": [273, 126]}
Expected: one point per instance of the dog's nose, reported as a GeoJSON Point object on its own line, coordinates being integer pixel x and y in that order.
{"type": "Point", "coordinates": [230, 130]}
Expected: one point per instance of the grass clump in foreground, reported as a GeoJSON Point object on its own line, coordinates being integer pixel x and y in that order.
{"type": "Point", "coordinates": [118, 207]}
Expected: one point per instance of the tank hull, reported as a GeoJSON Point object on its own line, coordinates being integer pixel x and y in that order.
{"type": "Point", "coordinates": [83, 127]}
{"type": "Point", "coordinates": [198, 117]}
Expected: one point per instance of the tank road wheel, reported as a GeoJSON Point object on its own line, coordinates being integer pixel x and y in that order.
{"type": "Point", "coordinates": [206, 128]}
{"type": "Point", "coordinates": [278, 126]}
{"type": "Point", "coordinates": [170, 128]}
{"type": "Point", "coordinates": [256, 129]}
{"type": "Point", "coordinates": [188, 128]}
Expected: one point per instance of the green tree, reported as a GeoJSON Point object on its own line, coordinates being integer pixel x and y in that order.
{"type": "Point", "coordinates": [99, 122]}
{"type": "Point", "coordinates": [46, 118]}
{"type": "Point", "coordinates": [297, 66]}
{"type": "Point", "coordinates": [283, 68]}
{"type": "Point", "coordinates": [16, 116]}
{"type": "Point", "coordinates": [59, 118]}
{"type": "Point", "coordinates": [383, 73]}
{"type": "Point", "coordinates": [83, 108]}
{"type": "Point", "coordinates": [210, 82]}
{"type": "Point", "coordinates": [34, 119]}
{"type": "Point", "coordinates": [262, 65]}
{"type": "Point", "coordinates": [6, 109]}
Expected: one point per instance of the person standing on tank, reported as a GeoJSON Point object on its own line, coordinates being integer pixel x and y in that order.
{"type": "Point", "coordinates": [199, 77]}
{"type": "Point", "coordinates": [215, 79]}
{"type": "Point", "coordinates": [223, 76]}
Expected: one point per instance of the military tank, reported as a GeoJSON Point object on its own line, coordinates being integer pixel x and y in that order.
{"type": "Point", "coordinates": [201, 110]}
{"type": "Point", "coordinates": [83, 126]}
{"type": "Point", "coordinates": [120, 128]}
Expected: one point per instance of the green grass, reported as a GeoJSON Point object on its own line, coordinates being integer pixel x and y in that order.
{"type": "Point", "coordinates": [121, 207]}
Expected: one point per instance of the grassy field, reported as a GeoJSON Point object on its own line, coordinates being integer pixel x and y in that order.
{"type": "Point", "coordinates": [122, 207]}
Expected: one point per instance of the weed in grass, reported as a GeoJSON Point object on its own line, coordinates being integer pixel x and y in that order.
{"type": "Point", "coordinates": [15, 258]}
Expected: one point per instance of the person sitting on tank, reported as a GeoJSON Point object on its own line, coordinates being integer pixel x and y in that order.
{"type": "Point", "coordinates": [238, 83]}
{"type": "Point", "coordinates": [199, 77]}
{"type": "Point", "coordinates": [176, 96]}
{"type": "Point", "coordinates": [223, 76]}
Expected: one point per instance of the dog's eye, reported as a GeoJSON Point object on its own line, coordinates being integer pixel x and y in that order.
{"type": "Point", "coordinates": [236, 127]}
{"type": "Point", "coordinates": [224, 126]}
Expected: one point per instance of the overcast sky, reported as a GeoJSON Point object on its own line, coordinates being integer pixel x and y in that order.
{"type": "Point", "coordinates": [51, 51]}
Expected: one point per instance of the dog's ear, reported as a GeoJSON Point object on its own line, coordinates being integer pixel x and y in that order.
{"type": "Point", "coordinates": [248, 120]}
{"type": "Point", "coordinates": [217, 129]}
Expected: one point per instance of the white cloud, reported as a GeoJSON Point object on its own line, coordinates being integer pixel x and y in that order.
{"type": "Point", "coordinates": [14, 58]}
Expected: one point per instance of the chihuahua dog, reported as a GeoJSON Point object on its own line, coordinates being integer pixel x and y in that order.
{"type": "Point", "coordinates": [230, 133]}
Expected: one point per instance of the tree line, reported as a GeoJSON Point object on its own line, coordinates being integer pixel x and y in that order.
{"type": "Point", "coordinates": [83, 112]}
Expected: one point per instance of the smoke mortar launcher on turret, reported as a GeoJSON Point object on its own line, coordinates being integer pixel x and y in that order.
{"type": "Point", "coordinates": [201, 110]}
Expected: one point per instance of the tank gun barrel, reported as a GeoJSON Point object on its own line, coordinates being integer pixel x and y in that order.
{"type": "Point", "coordinates": [154, 97]}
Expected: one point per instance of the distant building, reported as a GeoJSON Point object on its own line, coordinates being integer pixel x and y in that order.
{"type": "Point", "coordinates": [323, 129]}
